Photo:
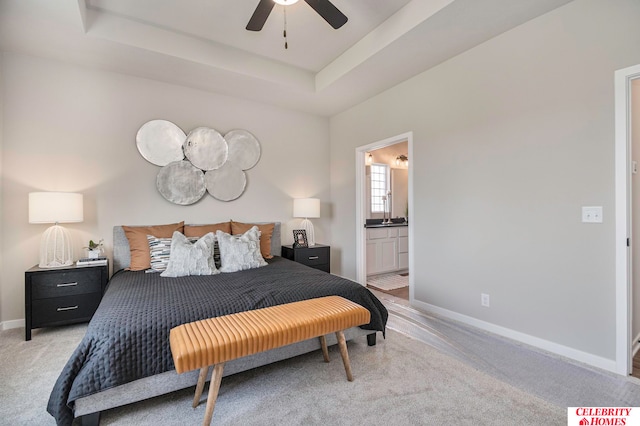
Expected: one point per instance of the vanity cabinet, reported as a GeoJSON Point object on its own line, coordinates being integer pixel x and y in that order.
{"type": "Point", "coordinates": [387, 249]}
{"type": "Point", "coordinates": [403, 247]}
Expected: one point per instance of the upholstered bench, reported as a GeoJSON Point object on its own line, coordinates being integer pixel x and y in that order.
{"type": "Point", "coordinates": [214, 341]}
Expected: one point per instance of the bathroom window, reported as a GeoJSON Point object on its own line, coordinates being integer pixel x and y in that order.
{"type": "Point", "coordinates": [379, 186]}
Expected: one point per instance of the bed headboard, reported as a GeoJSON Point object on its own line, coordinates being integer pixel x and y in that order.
{"type": "Point", "coordinates": [122, 256]}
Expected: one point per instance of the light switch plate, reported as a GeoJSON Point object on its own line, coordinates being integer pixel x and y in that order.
{"type": "Point", "coordinates": [592, 214]}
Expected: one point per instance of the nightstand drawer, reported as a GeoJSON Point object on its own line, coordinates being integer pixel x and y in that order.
{"type": "Point", "coordinates": [66, 283]}
{"type": "Point", "coordinates": [317, 256]}
{"type": "Point", "coordinates": [59, 310]}
{"type": "Point", "coordinates": [312, 256]}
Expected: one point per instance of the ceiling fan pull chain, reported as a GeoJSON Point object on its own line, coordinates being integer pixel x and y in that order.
{"type": "Point", "coordinates": [284, 33]}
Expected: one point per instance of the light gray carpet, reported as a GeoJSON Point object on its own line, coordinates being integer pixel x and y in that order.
{"type": "Point", "coordinates": [557, 380]}
{"type": "Point", "coordinates": [399, 381]}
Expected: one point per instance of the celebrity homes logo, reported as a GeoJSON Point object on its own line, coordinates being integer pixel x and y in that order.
{"type": "Point", "coordinates": [603, 416]}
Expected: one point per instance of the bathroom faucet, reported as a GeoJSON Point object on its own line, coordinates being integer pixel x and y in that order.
{"type": "Point", "coordinates": [388, 207]}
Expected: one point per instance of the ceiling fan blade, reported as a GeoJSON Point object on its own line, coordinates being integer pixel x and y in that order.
{"type": "Point", "coordinates": [329, 12]}
{"type": "Point", "coordinates": [260, 15]}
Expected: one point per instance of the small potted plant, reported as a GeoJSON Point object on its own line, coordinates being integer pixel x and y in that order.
{"type": "Point", "coordinates": [94, 249]}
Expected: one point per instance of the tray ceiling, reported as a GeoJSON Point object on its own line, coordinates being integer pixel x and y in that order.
{"type": "Point", "coordinates": [204, 44]}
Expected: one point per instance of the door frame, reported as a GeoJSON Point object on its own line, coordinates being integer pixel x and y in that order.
{"type": "Point", "coordinates": [361, 203]}
{"type": "Point", "coordinates": [622, 85]}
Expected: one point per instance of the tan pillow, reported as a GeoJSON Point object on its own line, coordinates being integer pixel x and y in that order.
{"type": "Point", "coordinates": [202, 230]}
{"type": "Point", "coordinates": [139, 245]}
{"type": "Point", "coordinates": [266, 230]}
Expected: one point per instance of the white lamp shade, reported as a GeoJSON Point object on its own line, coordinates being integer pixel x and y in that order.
{"type": "Point", "coordinates": [306, 207]}
{"type": "Point", "coordinates": [55, 207]}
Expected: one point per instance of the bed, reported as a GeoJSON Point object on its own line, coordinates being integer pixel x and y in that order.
{"type": "Point", "coordinates": [124, 356]}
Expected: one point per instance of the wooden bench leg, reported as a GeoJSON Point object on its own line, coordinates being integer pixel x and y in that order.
{"type": "Point", "coordinates": [342, 343]}
{"type": "Point", "coordinates": [325, 351]}
{"type": "Point", "coordinates": [202, 378]}
{"type": "Point", "coordinates": [214, 387]}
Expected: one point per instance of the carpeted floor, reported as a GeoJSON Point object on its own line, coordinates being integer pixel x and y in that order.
{"type": "Point", "coordinates": [399, 381]}
{"type": "Point", "coordinates": [445, 373]}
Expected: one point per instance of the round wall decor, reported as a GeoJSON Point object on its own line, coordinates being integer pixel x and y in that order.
{"type": "Point", "coordinates": [160, 142]}
{"type": "Point", "coordinates": [181, 183]}
{"type": "Point", "coordinates": [213, 163]}
{"type": "Point", "coordinates": [226, 183]}
{"type": "Point", "coordinates": [244, 148]}
{"type": "Point", "coordinates": [205, 148]}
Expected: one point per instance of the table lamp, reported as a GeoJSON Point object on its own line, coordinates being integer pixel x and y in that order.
{"type": "Point", "coordinates": [307, 208]}
{"type": "Point", "coordinates": [56, 249]}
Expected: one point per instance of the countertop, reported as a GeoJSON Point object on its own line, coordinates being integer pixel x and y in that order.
{"type": "Point", "coordinates": [390, 225]}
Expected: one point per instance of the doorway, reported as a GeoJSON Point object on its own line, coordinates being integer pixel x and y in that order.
{"type": "Point", "coordinates": [384, 243]}
{"type": "Point", "coordinates": [626, 286]}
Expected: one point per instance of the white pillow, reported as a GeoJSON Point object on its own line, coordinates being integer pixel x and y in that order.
{"type": "Point", "coordinates": [191, 259]}
{"type": "Point", "coordinates": [240, 252]}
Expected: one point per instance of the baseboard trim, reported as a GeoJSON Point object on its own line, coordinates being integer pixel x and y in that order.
{"type": "Point", "coordinates": [554, 348]}
{"type": "Point", "coordinates": [8, 325]}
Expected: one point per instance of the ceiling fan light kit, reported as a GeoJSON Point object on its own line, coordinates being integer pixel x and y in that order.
{"type": "Point", "coordinates": [324, 8]}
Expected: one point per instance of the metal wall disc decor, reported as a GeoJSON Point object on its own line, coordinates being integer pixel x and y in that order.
{"type": "Point", "coordinates": [205, 148]}
{"type": "Point", "coordinates": [244, 148]}
{"type": "Point", "coordinates": [226, 183]}
{"type": "Point", "coordinates": [181, 183]}
{"type": "Point", "coordinates": [213, 163]}
{"type": "Point", "coordinates": [160, 142]}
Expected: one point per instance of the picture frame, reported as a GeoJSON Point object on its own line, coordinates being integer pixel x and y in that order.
{"type": "Point", "coordinates": [300, 238]}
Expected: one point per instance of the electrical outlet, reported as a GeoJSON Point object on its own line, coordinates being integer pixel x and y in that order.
{"type": "Point", "coordinates": [592, 214]}
{"type": "Point", "coordinates": [484, 299]}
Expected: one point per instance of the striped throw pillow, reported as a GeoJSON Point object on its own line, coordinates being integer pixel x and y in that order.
{"type": "Point", "coordinates": [159, 251]}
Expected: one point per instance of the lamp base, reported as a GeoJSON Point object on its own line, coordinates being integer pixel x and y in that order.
{"type": "Point", "coordinates": [308, 228]}
{"type": "Point", "coordinates": [55, 248]}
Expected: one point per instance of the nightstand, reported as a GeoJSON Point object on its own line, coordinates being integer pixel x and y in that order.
{"type": "Point", "coordinates": [318, 256]}
{"type": "Point", "coordinates": [60, 296]}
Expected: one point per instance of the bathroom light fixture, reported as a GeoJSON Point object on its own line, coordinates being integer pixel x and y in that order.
{"type": "Point", "coordinates": [307, 208]}
{"type": "Point", "coordinates": [286, 2]}
{"type": "Point", "coordinates": [402, 160]}
{"type": "Point", "coordinates": [55, 207]}
{"type": "Point", "coordinates": [369, 158]}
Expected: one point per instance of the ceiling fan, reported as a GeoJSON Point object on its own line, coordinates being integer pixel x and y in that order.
{"type": "Point", "coordinates": [324, 8]}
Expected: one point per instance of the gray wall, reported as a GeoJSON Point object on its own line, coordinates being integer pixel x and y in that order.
{"type": "Point", "coordinates": [510, 139]}
{"type": "Point", "coordinates": [68, 128]}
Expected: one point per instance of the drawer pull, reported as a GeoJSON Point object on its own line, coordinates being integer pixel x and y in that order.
{"type": "Point", "coordinates": [66, 284]}
{"type": "Point", "coordinates": [313, 257]}
{"type": "Point", "coordinates": [68, 308]}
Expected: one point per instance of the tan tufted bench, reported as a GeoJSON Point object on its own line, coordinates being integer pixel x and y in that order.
{"type": "Point", "coordinates": [214, 341]}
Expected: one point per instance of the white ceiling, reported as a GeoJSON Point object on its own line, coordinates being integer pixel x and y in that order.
{"type": "Point", "coordinates": [204, 44]}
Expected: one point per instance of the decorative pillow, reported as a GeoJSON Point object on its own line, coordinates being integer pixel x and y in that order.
{"type": "Point", "coordinates": [159, 250]}
{"type": "Point", "coordinates": [266, 230]}
{"type": "Point", "coordinates": [139, 246]}
{"type": "Point", "coordinates": [200, 230]}
{"type": "Point", "coordinates": [240, 252]}
{"type": "Point", "coordinates": [191, 258]}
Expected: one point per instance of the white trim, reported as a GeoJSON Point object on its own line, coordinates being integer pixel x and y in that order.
{"type": "Point", "coordinates": [622, 86]}
{"type": "Point", "coordinates": [635, 347]}
{"type": "Point", "coordinates": [8, 325]}
{"type": "Point", "coordinates": [361, 202]}
{"type": "Point", "coordinates": [554, 348]}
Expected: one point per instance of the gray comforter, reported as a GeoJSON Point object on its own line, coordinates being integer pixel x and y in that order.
{"type": "Point", "coordinates": [128, 337]}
